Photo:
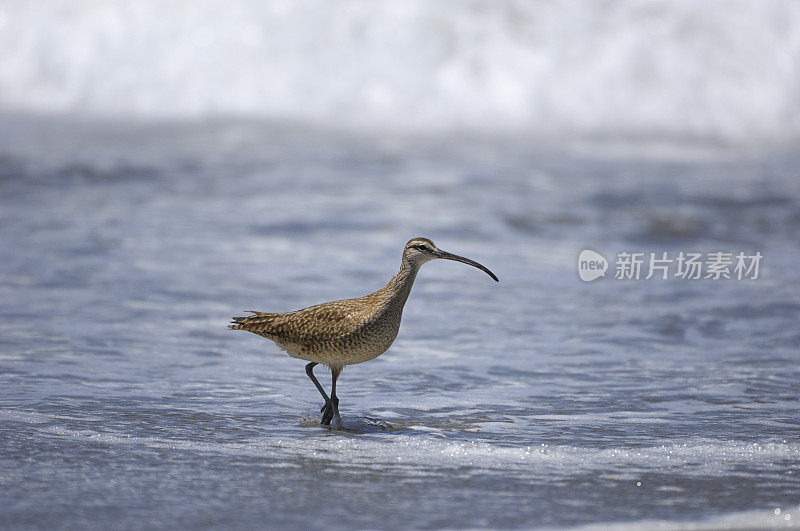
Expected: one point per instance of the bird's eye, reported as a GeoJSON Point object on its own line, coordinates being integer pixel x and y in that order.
{"type": "Point", "coordinates": [421, 247]}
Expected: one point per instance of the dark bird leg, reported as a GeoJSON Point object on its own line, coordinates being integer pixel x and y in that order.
{"type": "Point", "coordinates": [337, 421]}
{"type": "Point", "coordinates": [327, 407]}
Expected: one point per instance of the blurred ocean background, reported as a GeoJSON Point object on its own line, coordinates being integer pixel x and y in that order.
{"type": "Point", "coordinates": [723, 69]}
{"type": "Point", "coordinates": [164, 166]}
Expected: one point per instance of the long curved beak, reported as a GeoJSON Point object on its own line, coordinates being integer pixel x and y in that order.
{"type": "Point", "coordinates": [473, 263]}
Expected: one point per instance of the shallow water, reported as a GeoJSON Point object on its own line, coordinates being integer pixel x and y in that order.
{"type": "Point", "coordinates": [543, 401]}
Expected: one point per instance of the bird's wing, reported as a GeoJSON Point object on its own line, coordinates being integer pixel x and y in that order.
{"type": "Point", "coordinates": [319, 323]}
{"type": "Point", "coordinates": [322, 322]}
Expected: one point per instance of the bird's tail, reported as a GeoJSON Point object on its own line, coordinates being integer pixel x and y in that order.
{"type": "Point", "coordinates": [252, 323]}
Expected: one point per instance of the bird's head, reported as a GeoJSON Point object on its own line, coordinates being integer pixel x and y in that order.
{"type": "Point", "coordinates": [421, 250]}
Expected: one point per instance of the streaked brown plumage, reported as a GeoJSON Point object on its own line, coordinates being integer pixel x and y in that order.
{"type": "Point", "coordinates": [348, 331]}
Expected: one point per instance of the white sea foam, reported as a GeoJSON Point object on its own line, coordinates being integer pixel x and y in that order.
{"type": "Point", "coordinates": [423, 449]}
{"type": "Point", "coordinates": [766, 519]}
{"type": "Point", "coordinates": [721, 69]}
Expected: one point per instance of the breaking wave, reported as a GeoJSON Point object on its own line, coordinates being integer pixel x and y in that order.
{"type": "Point", "coordinates": [699, 69]}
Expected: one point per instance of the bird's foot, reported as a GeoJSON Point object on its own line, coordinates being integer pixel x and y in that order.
{"type": "Point", "coordinates": [327, 415]}
{"type": "Point", "coordinates": [330, 411]}
{"type": "Point", "coordinates": [336, 423]}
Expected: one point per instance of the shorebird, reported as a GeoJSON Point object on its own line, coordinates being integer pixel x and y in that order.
{"type": "Point", "coordinates": [348, 331]}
